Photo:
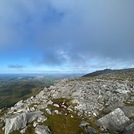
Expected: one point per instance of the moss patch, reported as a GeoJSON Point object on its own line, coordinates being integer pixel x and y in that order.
{"type": "Point", "coordinates": [59, 124]}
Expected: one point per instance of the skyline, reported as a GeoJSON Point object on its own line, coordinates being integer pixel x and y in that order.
{"type": "Point", "coordinates": [70, 36]}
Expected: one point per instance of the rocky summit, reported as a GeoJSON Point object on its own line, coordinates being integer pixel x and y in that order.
{"type": "Point", "coordinates": [86, 105]}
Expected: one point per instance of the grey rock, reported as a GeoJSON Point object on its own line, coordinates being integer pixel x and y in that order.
{"type": "Point", "coordinates": [91, 130]}
{"type": "Point", "coordinates": [15, 123]}
{"type": "Point", "coordinates": [128, 111]}
{"type": "Point", "coordinates": [40, 129]}
{"type": "Point", "coordinates": [129, 129]}
{"type": "Point", "coordinates": [23, 130]}
{"type": "Point", "coordinates": [115, 120]}
{"type": "Point", "coordinates": [48, 111]}
{"type": "Point", "coordinates": [31, 116]}
{"type": "Point", "coordinates": [19, 104]}
{"type": "Point", "coordinates": [56, 105]}
{"type": "Point", "coordinates": [113, 105]}
{"type": "Point", "coordinates": [20, 121]}
{"type": "Point", "coordinates": [84, 124]}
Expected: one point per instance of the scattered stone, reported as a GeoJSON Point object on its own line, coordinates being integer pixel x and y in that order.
{"type": "Point", "coordinates": [56, 105]}
{"type": "Point", "coordinates": [84, 124]}
{"type": "Point", "coordinates": [50, 102]}
{"type": "Point", "coordinates": [23, 130]}
{"type": "Point", "coordinates": [72, 116]}
{"type": "Point", "coordinates": [40, 129]}
{"type": "Point", "coordinates": [48, 111]}
{"type": "Point", "coordinates": [41, 119]}
{"type": "Point", "coordinates": [69, 109]}
{"type": "Point", "coordinates": [56, 111]}
{"type": "Point", "coordinates": [91, 130]}
{"type": "Point", "coordinates": [35, 124]}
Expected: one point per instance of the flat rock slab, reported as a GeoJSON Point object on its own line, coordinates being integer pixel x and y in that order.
{"type": "Point", "coordinates": [115, 120]}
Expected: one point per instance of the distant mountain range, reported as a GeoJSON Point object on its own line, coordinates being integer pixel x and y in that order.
{"type": "Point", "coordinates": [122, 72]}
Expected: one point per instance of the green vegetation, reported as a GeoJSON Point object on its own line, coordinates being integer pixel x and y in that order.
{"type": "Point", "coordinates": [20, 89]}
{"type": "Point", "coordinates": [66, 122]}
{"type": "Point", "coordinates": [60, 124]}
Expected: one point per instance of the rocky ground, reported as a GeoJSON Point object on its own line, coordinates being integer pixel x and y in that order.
{"type": "Point", "coordinates": [85, 105]}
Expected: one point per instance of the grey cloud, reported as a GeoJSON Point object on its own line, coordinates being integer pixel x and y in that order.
{"type": "Point", "coordinates": [85, 30]}
{"type": "Point", "coordinates": [16, 66]}
{"type": "Point", "coordinates": [94, 28]}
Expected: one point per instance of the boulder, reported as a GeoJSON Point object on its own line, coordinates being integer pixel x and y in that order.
{"type": "Point", "coordinates": [40, 129]}
{"type": "Point", "coordinates": [20, 121]}
{"type": "Point", "coordinates": [115, 120]}
{"type": "Point", "coordinates": [15, 123]}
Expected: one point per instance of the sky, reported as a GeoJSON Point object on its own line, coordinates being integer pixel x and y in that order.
{"type": "Point", "coordinates": [72, 36]}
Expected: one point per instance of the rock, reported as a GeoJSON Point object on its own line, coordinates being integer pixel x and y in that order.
{"type": "Point", "coordinates": [50, 102]}
{"type": "Point", "coordinates": [48, 111]}
{"type": "Point", "coordinates": [115, 120]}
{"type": "Point", "coordinates": [84, 124]}
{"type": "Point", "coordinates": [56, 105]}
{"type": "Point", "coordinates": [40, 129]}
{"type": "Point", "coordinates": [91, 130]}
{"type": "Point", "coordinates": [129, 129]}
{"type": "Point", "coordinates": [123, 91]}
{"type": "Point", "coordinates": [128, 111]}
{"type": "Point", "coordinates": [15, 123]}
{"type": "Point", "coordinates": [31, 116]}
{"type": "Point", "coordinates": [20, 121]}
{"type": "Point", "coordinates": [113, 105]}
{"type": "Point", "coordinates": [19, 104]}
{"type": "Point", "coordinates": [23, 130]}
{"type": "Point", "coordinates": [35, 124]}
{"type": "Point", "coordinates": [41, 119]}
{"type": "Point", "coordinates": [56, 111]}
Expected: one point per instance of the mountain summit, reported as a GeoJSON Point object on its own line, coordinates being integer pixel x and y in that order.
{"type": "Point", "coordinates": [89, 105]}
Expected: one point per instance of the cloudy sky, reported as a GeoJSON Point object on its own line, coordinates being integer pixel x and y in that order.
{"type": "Point", "coordinates": [66, 35]}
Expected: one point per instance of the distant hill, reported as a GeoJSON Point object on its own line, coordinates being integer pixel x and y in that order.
{"type": "Point", "coordinates": [109, 72]}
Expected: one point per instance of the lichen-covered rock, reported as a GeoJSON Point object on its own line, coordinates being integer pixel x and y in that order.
{"type": "Point", "coordinates": [115, 120]}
